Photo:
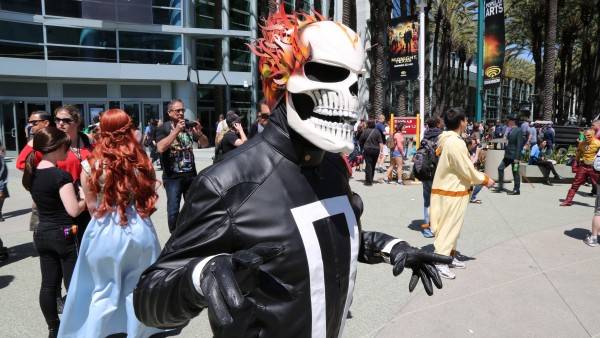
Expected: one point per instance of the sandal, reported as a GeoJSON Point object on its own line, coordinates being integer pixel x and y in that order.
{"type": "Point", "coordinates": [475, 201]}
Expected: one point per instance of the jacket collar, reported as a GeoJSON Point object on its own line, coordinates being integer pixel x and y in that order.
{"type": "Point", "coordinates": [277, 134]}
{"type": "Point", "coordinates": [289, 143]}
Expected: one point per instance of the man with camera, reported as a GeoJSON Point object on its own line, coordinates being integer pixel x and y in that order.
{"type": "Point", "coordinates": [175, 144]}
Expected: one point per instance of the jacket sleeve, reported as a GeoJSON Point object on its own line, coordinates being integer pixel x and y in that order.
{"type": "Point", "coordinates": [165, 296]}
{"type": "Point", "coordinates": [371, 243]}
{"type": "Point", "coordinates": [463, 166]}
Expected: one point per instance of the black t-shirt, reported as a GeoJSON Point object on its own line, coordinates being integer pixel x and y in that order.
{"type": "Point", "coordinates": [178, 159]}
{"type": "Point", "coordinates": [45, 187]}
{"type": "Point", "coordinates": [370, 139]}
{"type": "Point", "coordinates": [228, 141]}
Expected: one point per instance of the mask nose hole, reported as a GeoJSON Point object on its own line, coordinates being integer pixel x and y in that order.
{"type": "Point", "coordinates": [354, 89]}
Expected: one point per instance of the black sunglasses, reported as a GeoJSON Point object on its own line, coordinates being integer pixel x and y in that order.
{"type": "Point", "coordinates": [182, 110]}
{"type": "Point", "coordinates": [35, 122]}
{"type": "Point", "coordinates": [58, 120]}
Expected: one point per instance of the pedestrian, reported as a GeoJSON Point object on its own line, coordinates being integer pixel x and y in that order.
{"type": "Point", "coordinates": [454, 176]}
{"type": "Point", "coordinates": [512, 156]}
{"type": "Point", "coordinates": [371, 141]}
{"type": "Point", "coordinates": [68, 119]}
{"type": "Point", "coordinates": [149, 141]}
{"type": "Point", "coordinates": [475, 149]}
{"type": "Point", "coordinates": [120, 243]}
{"type": "Point", "coordinates": [583, 165]}
{"type": "Point", "coordinates": [592, 238]}
{"type": "Point", "coordinates": [221, 129]}
{"type": "Point", "coordinates": [430, 138]}
{"type": "Point", "coordinates": [538, 157]}
{"type": "Point", "coordinates": [262, 118]}
{"type": "Point", "coordinates": [235, 136]}
{"type": "Point", "coordinates": [55, 196]}
{"type": "Point", "coordinates": [397, 155]}
{"type": "Point", "coordinates": [549, 135]}
{"type": "Point", "coordinates": [380, 125]}
{"type": "Point", "coordinates": [3, 180]}
{"type": "Point", "coordinates": [175, 144]}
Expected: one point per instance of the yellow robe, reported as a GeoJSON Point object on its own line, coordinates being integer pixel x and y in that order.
{"type": "Point", "coordinates": [454, 176]}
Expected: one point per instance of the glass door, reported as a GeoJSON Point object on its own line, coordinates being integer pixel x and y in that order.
{"type": "Point", "coordinates": [151, 111]}
{"type": "Point", "coordinates": [133, 109]}
{"type": "Point", "coordinates": [9, 133]}
{"type": "Point", "coordinates": [94, 110]}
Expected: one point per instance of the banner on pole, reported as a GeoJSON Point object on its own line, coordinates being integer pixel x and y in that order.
{"type": "Point", "coordinates": [493, 55]}
{"type": "Point", "coordinates": [403, 38]}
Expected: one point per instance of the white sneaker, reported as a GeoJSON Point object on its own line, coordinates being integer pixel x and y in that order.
{"type": "Point", "coordinates": [456, 264]}
{"type": "Point", "coordinates": [445, 271]}
{"type": "Point", "coordinates": [591, 240]}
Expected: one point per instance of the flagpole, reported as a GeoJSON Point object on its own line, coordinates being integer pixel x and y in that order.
{"type": "Point", "coordinates": [479, 89]}
{"type": "Point", "coordinates": [422, 67]}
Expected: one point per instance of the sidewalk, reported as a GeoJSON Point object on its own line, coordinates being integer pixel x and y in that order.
{"type": "Point", "coordinates": [530, 274]}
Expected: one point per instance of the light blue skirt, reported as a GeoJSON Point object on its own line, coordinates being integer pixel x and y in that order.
{"type": "Point", "coordinates": [111, 260]}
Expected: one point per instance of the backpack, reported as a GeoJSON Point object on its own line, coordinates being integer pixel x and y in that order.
{"type": "Point", "coordinates": [425, 161]}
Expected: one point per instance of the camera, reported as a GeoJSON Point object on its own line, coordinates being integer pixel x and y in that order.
{"type": "Point", "coordinates": [190, 124]}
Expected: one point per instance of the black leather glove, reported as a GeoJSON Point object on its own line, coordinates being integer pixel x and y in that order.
{"type": "Point", "coordinates": [422, 264]}
{"type": "Point", "coordinates": [226, 280]}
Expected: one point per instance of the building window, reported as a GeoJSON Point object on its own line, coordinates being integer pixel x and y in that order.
{"type": "Point", "coordinates": [303, 5]}
{"type": "Point", "coordinates": [81, 44]}
{"type": "Point", "coordinates": [241, 100]}
{"type": "Point", "coordinates": [208, 54]}
{"type": "Point", "coordinates": [81, 37]}
{"type": "Point", "coordinates": [20, 40]}
{"type": "Point", "coordinates": [158, 12]}
{"type": "Point", "coordinates": [208, 13]}
{"type": "Point", "coordinates": [81, 54]}
{"type": "Point", "coordinates": [150, 48]}
{"type": "Point", "coordinates": [22, 6]}
{"type": "Point", "coordinates": [289, 5]}
{"type": "Point", "coordinates": [317, 6]}
{"type": "Point", "coordinates": [240, 55]}
{"type": "Point", "coordinates": [239, 14]}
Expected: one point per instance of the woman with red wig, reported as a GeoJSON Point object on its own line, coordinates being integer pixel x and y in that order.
{"type": "Point", "coordinates": [120, 242]}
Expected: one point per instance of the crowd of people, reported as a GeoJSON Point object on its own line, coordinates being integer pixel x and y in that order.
{"type": "Point", "coordinates": [93, 193]}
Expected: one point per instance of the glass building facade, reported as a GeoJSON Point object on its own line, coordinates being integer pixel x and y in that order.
{"type": "Point", "coordinates": [136, 55]}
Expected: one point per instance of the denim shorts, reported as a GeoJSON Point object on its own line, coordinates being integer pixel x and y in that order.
{"type": "Point", "coordinates": [396, 153]}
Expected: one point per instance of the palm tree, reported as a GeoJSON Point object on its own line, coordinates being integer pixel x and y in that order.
{"type": "Point", "coordinates": [379, 83]}
{"type": "Point", "coordinates": [550, 58]}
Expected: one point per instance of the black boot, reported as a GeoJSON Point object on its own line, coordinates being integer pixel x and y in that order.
{"type": "Point", "coordinates": [53, 328]}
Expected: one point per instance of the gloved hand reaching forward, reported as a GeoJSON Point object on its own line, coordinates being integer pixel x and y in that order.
{"type": "Point", "coordinates": [421, 263]}
{"type": "Point", "coordinates": [226, 280]}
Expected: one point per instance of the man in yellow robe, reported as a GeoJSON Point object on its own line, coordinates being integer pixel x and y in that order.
{"type": "Point", "coordinates": [454, 177]}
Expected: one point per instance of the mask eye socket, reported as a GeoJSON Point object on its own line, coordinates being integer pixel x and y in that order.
{"type": "Point", "coordinates": [320, 72]}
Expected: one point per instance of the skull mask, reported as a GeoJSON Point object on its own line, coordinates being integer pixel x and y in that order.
{"type": "Point", "coordinates": [321, 98]}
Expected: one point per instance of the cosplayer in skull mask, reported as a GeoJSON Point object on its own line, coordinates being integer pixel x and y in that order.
{"type": "Point", "coordinates": [269, 238]}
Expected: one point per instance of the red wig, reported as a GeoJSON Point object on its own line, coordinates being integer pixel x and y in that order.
{"type": "Point", "coordinates": [121, 170]}
{"type": "Point", "coordinates": [280, 50]}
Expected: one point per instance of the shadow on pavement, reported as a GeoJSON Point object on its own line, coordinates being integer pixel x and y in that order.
{"type": "Point", "coordinates": [6, 280]}
{"type": "Point", "coordinates": [416, 224]}
{"type": "Point", "coordinates": [585, 194]}
{"type": "Point", "coordinates": [577, 203]}
{"type": "Point", "coordinates": [16, 213]}
{"type": "Point", "coordinates": [19, 252]}
{"type": "Point", "coordinates": [577, 233]}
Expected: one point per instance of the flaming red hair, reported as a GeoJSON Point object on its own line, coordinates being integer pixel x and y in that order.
{"type": "Point", "coordinates": [280, 50]}
{"type": "Point", "coordinates": [122, 164]}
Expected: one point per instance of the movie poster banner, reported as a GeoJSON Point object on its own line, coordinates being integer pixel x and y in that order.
{"type": "Point", "coordinates": [403, 38]}
{"type": "Point", "coordinates": [494, 43]}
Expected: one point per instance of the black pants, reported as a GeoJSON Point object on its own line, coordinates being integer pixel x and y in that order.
{"type": "Point", "coordinates": [57, 255]}
{"type": "Point", "coordinates": [515, 170]}
{"type": "Point", "coordinates": [546, 167]}
{"type": "Point", "coordinates": [371, 156]}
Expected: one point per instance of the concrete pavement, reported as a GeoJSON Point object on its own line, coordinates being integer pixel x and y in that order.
{"type": "Point", "coordinates": [528, 272]}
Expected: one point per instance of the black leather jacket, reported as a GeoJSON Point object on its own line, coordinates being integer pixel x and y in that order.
{"type": "Point", "coordinates": [262, 192]}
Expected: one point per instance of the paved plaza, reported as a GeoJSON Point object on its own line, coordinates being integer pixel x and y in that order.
{"type": "Point", "coordinates": [528, 272]}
